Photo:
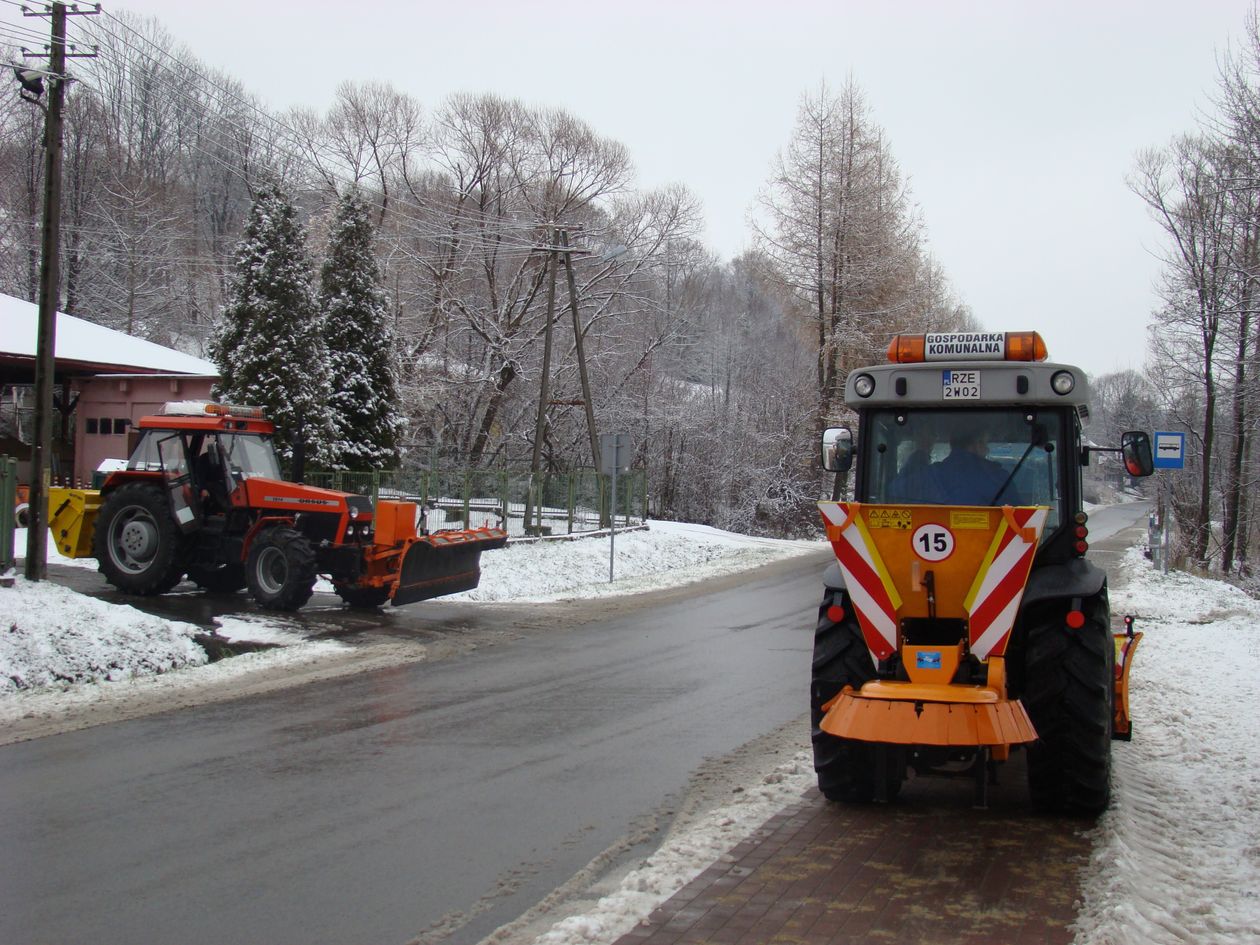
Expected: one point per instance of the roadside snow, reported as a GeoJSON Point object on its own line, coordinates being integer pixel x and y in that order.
{"type": "Point", "coordinates": [57, 646]}
{"type": "Point", "coordinates": [1177, 857]}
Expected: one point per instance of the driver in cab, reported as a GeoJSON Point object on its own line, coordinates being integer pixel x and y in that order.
{"type": "Point", "coordinates": [965, 477]}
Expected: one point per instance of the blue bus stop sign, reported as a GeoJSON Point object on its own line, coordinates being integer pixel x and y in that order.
{"type": "Point", "coordinates": [1170, 450]}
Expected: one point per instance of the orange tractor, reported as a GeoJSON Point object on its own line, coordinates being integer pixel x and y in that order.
{"type": "Point", "coordinates": [961, 619]}
{"type": "Point", "coordinates": [202, 496]}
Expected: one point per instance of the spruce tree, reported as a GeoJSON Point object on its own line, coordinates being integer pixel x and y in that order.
{"type": "Point", "coordinates": [360, 342]}
{"type": "Point", "coordinates": [269, 345]}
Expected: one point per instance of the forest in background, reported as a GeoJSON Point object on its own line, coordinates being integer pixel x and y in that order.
{"type": "Point", "coordinates": [722, 371]}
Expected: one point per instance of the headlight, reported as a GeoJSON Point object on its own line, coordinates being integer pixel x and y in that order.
{"type": "Point", "coordinates": [864, 385]}
{"type": "Point", "coordinates": [354, 513]}
{"type": "Point", "coordinates": [1063, 382]}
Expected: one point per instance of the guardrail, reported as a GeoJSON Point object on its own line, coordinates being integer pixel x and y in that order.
{"type": "Point", "coordinates": [559, 503]}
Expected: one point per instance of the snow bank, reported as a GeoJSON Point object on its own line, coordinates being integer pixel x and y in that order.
{"type": "Point", "coordinates": [51, 636]}
{"type": "Point", "coordinates": [683, 857]}
{"type": "Point", "coordinates": [1177, 857]}
{"type": "Point", "coordinates": [666, 554]}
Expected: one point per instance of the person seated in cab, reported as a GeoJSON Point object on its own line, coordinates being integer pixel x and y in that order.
{"type": "Point", "coordinates": [965, 477]}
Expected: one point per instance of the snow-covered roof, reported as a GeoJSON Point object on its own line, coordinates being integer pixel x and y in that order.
{"type": "Point", "coordinates": [91, 344]}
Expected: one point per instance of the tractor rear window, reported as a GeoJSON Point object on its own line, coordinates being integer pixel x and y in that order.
{"type": "Point", "coordinates": [964, 457]}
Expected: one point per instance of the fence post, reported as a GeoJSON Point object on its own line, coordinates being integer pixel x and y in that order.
{"type": "Point", "coordinates": [467, 498]}
{"type": "Point", "coordinates": [8, 511]}
{"type": "Point", "coordinates": [376, 486]}
{"type": "Point", "coordinates": [503, 495]}
{"type": "Point", "coordinates": [572, 498]}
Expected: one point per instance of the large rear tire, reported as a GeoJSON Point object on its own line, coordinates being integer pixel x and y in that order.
{"type": "Point", "coordinates": [137, 544]}
{"type": "Point", "coordinates": [1068, 692]}
{"type": "Point", "coordinates": [280, 569]}
{"type": "Point", "coordinates": [846, 769]}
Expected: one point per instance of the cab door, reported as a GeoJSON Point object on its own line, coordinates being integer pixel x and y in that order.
{"type": "Point", "coordinates": [177, 475]}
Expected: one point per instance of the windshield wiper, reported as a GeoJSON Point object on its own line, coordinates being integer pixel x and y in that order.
{"type": "Point", "coordinates": [1038, 437]}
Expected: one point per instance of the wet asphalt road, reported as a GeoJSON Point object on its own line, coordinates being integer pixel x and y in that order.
{"type": "Point", "coordinates": [435, 800]}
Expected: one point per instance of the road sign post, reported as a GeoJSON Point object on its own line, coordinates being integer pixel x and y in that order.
{"type": "Point", "coordinates": [614, 460]}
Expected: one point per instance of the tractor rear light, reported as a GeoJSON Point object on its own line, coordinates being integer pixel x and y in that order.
{"type": "Point", "coordinates": [1081, 531]}
{"type": "Point", "coordinates": [1080, 518]}
{"type": "Point", "coordinates": [1081, 546]}
{"type": "Point", "coordinates": [1075, 619]}
{"type": "Point", "coordinates": [835, 613]}
{"type": "Point", "coordinates": [864, 385]}
{"type": "Point", "coordinates": [1063, 383]}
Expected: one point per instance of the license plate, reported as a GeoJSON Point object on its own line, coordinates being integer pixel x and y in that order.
{"type": "Point", "coordinates": [960, 385]}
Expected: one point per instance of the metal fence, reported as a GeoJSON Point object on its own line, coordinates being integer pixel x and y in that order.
{"type": "Point", "coordinates": [558, 503]}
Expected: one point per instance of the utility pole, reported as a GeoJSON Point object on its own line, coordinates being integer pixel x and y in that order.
{"type": "Point", "coordinates": [579, 345]}
{"type": "Point", "coordinates": [534, 496]}
{"type": "Point", "coordinates": [49, 283]}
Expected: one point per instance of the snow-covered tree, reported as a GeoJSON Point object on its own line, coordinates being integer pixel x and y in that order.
{"type": "Point", "coordinates": [364, 390]}
{"type": "Point", "coordinates": [269, 345]}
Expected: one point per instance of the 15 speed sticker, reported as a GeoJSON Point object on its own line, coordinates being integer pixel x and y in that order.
{"type": "Point", "coordinates": [932, 542]}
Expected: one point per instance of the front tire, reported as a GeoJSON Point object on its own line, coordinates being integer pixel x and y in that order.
{"type": "Point", "coordinates": [1069, 688]}
{"type": "Point", "coordinates": [846, 769]}
{"type": "Point", "coordinates": [280, 569]}
{"type": "Point", "coordinates": [137, 544]}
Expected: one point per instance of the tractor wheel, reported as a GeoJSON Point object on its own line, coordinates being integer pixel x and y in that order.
{"type": "Point", "coordinates": [224, 579]}
{"type": "Point", "coordinates": [363, 598]}
{"type": "Point", "coordinates": [280, 569]}
{"type": "Point", "coordinates": [1068, 691]}
{"type": "Point", "coordinates": [846, 769]}
{"type": "Point", "coordinates": [139, 547]}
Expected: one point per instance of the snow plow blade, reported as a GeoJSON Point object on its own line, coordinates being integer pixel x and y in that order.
{"type": "Point", "coordinates": [444, 563]}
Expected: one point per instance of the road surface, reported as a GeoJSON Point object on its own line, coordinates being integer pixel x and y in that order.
{"type": "Point", "coordinates": [433, 801]}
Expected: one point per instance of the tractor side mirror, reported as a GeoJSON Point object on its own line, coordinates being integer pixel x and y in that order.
{"type": "Point", "coordinates": [1135, 447]}
{"type": "Point", "coordinates": [837, 449]}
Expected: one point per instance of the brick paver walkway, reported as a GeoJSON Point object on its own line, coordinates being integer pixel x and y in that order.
{"type": "Point", "coordinates": [926, 870]}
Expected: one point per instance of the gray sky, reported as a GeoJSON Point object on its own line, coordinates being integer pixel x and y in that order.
{"type": "Point", "coordinates": [1015, 122]}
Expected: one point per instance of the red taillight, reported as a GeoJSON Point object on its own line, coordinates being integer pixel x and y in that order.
{"type": "Point", "coordinates": [835, 613]}
{"type": "Point", "coordinates": [1075, 619]}
{"type": "Point", "coordinates": [1081, 547]}
{"type": "Point", "coordinates": [1081, 531]}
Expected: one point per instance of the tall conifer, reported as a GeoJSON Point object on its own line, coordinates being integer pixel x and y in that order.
{"type": "Point", "coordinates": [360, 340]}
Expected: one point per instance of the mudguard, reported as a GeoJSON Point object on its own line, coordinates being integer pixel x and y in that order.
{"type": "Point", "coordinates": [1075, 578]}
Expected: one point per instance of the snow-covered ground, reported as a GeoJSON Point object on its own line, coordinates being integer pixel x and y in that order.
{"type": "Point", "coordinates": [1177, 858]}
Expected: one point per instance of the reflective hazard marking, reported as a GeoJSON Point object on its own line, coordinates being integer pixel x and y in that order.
{"type": "Point", "coordinates": [932, 542]}
{"type": "Point", "coordinates": [888, 518]}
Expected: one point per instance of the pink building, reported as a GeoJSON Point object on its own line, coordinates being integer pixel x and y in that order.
{"type": "Point", "coordinates": [103, 382]}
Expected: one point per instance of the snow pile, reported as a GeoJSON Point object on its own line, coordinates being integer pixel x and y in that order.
{"type": "Point", "coordinates": [663, 555]}
{"type": "Point", "coordinates": [1177, 857]}
{"type": "Point", "coordinates": [51, 636]}
{"type": "Point", "coordinates": [683, 857]}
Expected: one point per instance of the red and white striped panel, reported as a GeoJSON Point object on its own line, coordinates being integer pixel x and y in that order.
{"type": "Point", "coordinates": [994, 598]}
{"type": "Point", "coordinates": [873, 595]}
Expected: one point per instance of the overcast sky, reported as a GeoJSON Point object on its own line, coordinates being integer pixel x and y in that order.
{"type": "Point", "coordinates": [1015, 122]}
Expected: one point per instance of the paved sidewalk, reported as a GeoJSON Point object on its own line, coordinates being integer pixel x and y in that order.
{"type": "Point", "coordinates": [925, 870]}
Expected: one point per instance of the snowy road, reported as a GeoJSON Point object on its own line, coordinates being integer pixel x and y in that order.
{"type": "Point", "coordinates": [434, 800]}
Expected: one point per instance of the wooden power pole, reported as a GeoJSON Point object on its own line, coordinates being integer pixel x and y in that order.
{"type": "Point", "coordinates": [49, 283]}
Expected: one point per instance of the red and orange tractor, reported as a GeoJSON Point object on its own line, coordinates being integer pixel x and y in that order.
{"type": "Point", "coordinates": [203, 496]}
{"type": "Point", "coordinates": [962, 619]}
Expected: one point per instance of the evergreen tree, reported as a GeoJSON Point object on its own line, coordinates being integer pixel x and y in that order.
{"type": "Point", "coordinates": [269, 345]}
{"type": "Point", "coordinates": [360, 342]}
